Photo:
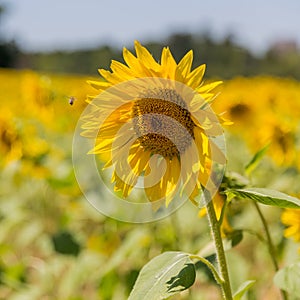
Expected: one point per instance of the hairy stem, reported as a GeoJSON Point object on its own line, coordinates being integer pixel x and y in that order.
{"type": "Point", "coordinates": [216, 235]}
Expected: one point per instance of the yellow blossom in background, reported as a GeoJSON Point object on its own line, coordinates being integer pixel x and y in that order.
{"type": "Point", "coordinates": [291, 218]}
{"type": "Point", "coordinates": [10, 142]}
{"type": "Point", "coordinates": [265, 110]}
{"type": "Point", "coordinates": [164, 119]}
{"type": "Point", "coordinates": [34, 109]}
{"type": "Point", "coordinates": [40, 196]}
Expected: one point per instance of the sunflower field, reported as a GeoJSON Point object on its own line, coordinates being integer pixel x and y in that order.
{"type": "Point", "coordinates": [55, 245]}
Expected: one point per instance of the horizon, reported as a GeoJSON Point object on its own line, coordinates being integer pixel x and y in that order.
{"type": "Point", "coordinates": [58, 26]}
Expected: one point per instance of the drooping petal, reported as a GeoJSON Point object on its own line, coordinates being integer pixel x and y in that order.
{"type": "Point", "coordinates": [163, 182]}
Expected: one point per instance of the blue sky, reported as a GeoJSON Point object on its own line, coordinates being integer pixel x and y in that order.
{"type": "Point", "coordinates": [68, 24]}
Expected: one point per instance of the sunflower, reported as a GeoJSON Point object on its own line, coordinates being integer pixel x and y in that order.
{"type": "Point", "coordinates": [291, 218]}
{"type": "Point", "coordinates": [153, 120]}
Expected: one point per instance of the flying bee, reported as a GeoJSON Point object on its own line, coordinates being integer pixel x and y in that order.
{"type": "Point", "coordinates": [72, 100]}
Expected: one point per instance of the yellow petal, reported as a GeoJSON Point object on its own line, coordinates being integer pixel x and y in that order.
{"type": "Point", "coordinates": [217, 154]}
{"type": "Point", "coordinates": [195, 77]}
{"type": "Point", "coordinates": [167, 186]}
{"type": "Point", "coordinates": [145, 57]}
{"type": "Point", "coordinates": [139, 160]}
{"type": "Point", "coordinates": [113, 144]}
{"type": "Point", "coordinates": [168, 63]}
{"type": "Point", "coordinates": [184, 66]}
{"type": "Point", "coordinates": [208, 87]}
{"type": "Point", "coordinates": [110, 77]}
{"type": "Point", "coordinates": [132, 62]}
{"type": "Point", "coordinates": [204, 143]}
{"type": "Point", "coordinates": [99, 85]}
{"type": "Point", "coordinates": [123, 71]}
{"type": "Point", "coordinates": [172, 178]}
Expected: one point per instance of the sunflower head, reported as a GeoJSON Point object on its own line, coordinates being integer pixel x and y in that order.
{"type": "Point", "coordinates": [152, 123]}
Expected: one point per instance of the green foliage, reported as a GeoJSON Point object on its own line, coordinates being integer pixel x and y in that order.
{"type": "Point", "coordinates": [9, 51]}
{"type": "Point", "coordinates": [235, 237]}
{"type": "Point", "coordinates": [256, 160]}
{"type": "Point", "coordinates": [225, 58]}
{"type": "Point", "coordinates": [54, 245]}
{"type": "Point", "coordinates": [65, 243]}
{"type": "Point", "coordinates": [164, 276]}
{"type": "Point", "coordinates": [243, 288]}
{"type": "Point", "coordinates": [288, 279]}
{"type": "Point", "coordinates": [80, 61]}
{"type": "Point", "coordinates": [107, 285]}
{"type": "Point", "coordinates": [265, 196]}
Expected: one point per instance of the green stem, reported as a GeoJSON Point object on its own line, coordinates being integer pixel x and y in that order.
{"type": "Point", "coordinates": [220, 221]}
{"type": "Point", "coordinates": [270, 244]}
{"type": "Point", "coordinates": [271, 247]}
{"type": "Point", "coordinates": [254, 233]}
{"type": "Point", "coordinates": [210, 266]}
{"type": "Point", "coordinates": [216, 235]}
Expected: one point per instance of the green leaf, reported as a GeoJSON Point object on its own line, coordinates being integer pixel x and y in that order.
{"type": "Point", "coordinates": [266, 196]}
{"type": "Point", "coordinates": [164, 276]}
{"type": "Point", "coordinates": [243, 288]}
{"type": "Point", "coordinates": [65, 243]}
{"type": "Point", "coordinates": [256, 159]}
{"type": "Point", "coordinates": [235, 237]}
{"type": "Point", "coordinates": [235, 180]}
{"type": "Point", "coordinates": [288, 279]}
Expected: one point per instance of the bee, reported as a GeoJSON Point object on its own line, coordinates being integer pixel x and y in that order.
{"type": "Point", "coordinates": [72, 100]}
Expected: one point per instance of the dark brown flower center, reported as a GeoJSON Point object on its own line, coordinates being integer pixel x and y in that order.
{"type": "Point", "coordinates": [163, 123]}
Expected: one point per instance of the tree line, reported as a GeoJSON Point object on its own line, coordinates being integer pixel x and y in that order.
{"type": "Point", "coordinates": [224, 58]}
